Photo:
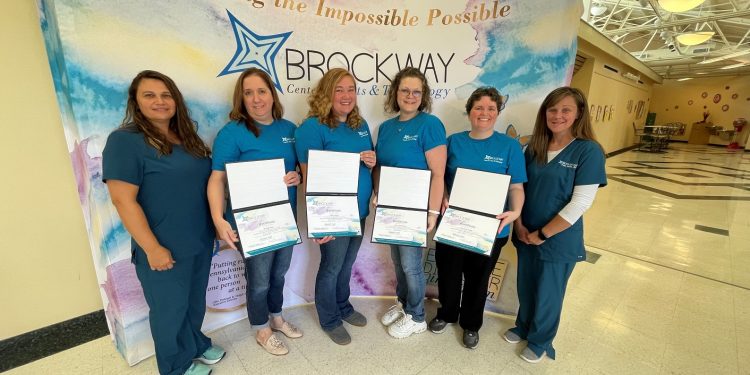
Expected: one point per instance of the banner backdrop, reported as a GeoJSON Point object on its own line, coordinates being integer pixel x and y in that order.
{"type": "Point", "coordinates": [525, 48]}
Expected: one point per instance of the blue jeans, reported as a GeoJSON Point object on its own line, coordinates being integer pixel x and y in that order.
{"type": "Point", "coordinates": [332, 282]}
{"type": "Point", "coordinates": [410, 280]}
{"type": "Point", "coordinates": [265, 284]}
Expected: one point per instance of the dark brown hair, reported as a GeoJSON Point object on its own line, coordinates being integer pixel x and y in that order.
{"type": "Point", "coordinates": [180, 124]}
{"type": "Point", "coordinates": [391, 102]}
{"type": "Point", "coordinates": [581, 128]}
{"type": "Point", "coordinates": [489, 92]}
{"type": "Point", "coordinates": [240, 113]}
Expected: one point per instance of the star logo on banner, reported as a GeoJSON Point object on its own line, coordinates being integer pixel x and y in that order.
{"type": "Point", "coordinates": [254, 50]}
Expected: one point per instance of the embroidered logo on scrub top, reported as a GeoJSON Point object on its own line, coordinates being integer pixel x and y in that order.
{"type": "Point", "coordinates": [408, 138]}
{"type": "Point", "coordinates": [287, 139]}
{"type": "Point", "coordinates": [493, 159]}
{"type": "Point", "coordinates": [363, 133]}
{"type": "Point", "coordinates": [565, 164]}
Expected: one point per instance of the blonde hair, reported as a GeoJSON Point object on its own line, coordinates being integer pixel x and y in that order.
{"type": "Point", "coordinates": [321, 100]}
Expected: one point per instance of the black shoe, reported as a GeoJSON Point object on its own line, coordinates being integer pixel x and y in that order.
{"type": "Point", "coordinates": [339, 335]}
{"type": "Point", "coordinates": [356, 319]}
{"type": "Point", "coordinates": [471, 339]}
{"type": "Point", "coordinates": [437, 325]}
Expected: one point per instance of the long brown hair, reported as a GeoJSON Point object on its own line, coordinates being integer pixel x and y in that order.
{"type": "Point", "coordinates": [391, 102]}
{"type": "Point", "coordinates": [321, 100]}
{"type": "Point", "coordinates": [581, 128]}
{"type": "Point", "coordinates": [180, 124]}
{"type": "Point", "coordinates": [240, 113]}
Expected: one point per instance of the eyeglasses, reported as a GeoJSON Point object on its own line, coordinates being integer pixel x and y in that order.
{"type": "Point", "coordinates": [407, 92]}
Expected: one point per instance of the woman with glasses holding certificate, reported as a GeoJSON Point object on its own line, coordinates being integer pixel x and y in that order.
{"type": "Point", "coordinates": [412, 139]}
{"type": "Point", "coordinates": [156, 168]}
{"type": "Point", "coordinates": [334, 124]}
{"type": "Point", "coordinates": [257, 132]}
{"type": "Point", "coordinates": [565, 166]}
{"type": "Point", "coordinates": [482, 149]}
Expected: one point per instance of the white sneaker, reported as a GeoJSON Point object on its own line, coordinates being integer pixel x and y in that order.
{"type": "Point", "coordinates": [405, 327]}
{"type": "Point", "coordinates": [393, 314]}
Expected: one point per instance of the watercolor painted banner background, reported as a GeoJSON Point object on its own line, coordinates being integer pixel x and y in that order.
{"type": "Point", "coordinates": [525, 48]}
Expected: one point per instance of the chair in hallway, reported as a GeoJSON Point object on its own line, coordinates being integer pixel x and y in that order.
{"type": "Point", "coordinates": [650, 141]}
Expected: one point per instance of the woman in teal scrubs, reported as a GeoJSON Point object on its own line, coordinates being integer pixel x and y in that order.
{"type": "Point", "coordinates": [334, 124]}
{"type": "Point", "coordinates": [565, 167]}
{"type": "Point", "coordinates": [156, 169]}
{"type": "Point", "coordinates": [412, 139]}
{"type": "Point", "coordinates": [463, 275]}
{"type": "Point", "coordinates": [257, 132]}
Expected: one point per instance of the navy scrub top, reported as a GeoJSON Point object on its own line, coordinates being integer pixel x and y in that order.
{"type": "Point", "coordinates": [171, 190]}
{"type": "Point", "coordinates": [550, 188]}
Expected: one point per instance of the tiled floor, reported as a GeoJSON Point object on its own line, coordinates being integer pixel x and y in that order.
{"type": "Point", "coordinates": [664, 298]}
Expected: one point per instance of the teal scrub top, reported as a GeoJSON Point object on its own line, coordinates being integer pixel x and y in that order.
{"type": "Point", "coordinates": [402, 144]}
{"type": "Point", "coordinates": [235, 142]}
{"type": "Point", "coordinates": [314, 135]}
{"type": "Point", "coordinates": [550, 188]}
{"type": "Point", "coordinates": [497, 154]}
{"type": "Point", "coordinates": [171, 190]}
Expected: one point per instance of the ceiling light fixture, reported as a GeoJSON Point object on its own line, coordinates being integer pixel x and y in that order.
{"type": "Point", "coordinates": [597, 10]}
{"type": "Point", "coordinates": [729, 56]}
{"type": "Point", "coordinates": [693, 39]}
{"type": "Point", "coordinates": [684, 79]}
{"type": "Point", "coordinates": [735, 65]}
{"type": "Point", "coordinates": [677, 6]}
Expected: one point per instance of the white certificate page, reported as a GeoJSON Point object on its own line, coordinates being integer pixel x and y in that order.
{"type": "Point", "coordinates": [400, 227]}
{"type": "Point", "coordinates": [266, 229]}
{"type": "Point", "coordinates": [254, 183]}
{"type": "Point", "coordinates": [403, 187]}
{"type": "Point", "coordinates": [467, 231]}
{"type": "Point", "coordinates": [336, 216]}
{"type": "Point", "coordinates": [332, 172]}
{"type": "Point", "coordinates": [479, 191]}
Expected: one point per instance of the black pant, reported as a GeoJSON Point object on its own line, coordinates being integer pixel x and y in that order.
{"type": "Point", "coordinates": [468, 304]}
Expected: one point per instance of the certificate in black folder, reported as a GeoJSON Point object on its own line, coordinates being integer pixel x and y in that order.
{"type": "Point", "coordinates": [469, 222]}
{"type": "Point", "coordinates": [401, 214]}
{"type": "Point", "coordinates": [331, 196]}
{"type": "Point", "coordinates": [261, 207]}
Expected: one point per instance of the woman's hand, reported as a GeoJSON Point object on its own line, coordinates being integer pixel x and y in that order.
{"type": "Point", "coordinates": [160, 259]}
{"type": "Point", "coordinates": [521, 232]}
{"type": "Point", "coordinates": [506, 218]}
{"type": "Point", "coordinates": [225, 233]}
{"type": "Point", "coordinates": [444, 205]}
{"type": "Point", "coordinates": [534, 238]}
{"type": "Point", "coordinates": [323, 240]}
{"type": "Point", "coordinates": [368, 157]}
{"type": "Point", "coordinates": [292, 178]}
{"type": "Point", "coordinates": [431, 221]}
{"type": "Point", "coordinates": [374, 200]}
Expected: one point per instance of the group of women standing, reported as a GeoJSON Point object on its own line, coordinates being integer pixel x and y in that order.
{"type": "Point", "coordinates": [170, 195]}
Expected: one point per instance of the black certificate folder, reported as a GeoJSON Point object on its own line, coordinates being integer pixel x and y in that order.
{"type": "Point", "coordinates": [401, 213]}
{"type": "Point", "coordinates": [331, 198]}
{"type": "Point", "coordinates": [476, 199]}
{"type": "Point", "coordinates": [261, 207]}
